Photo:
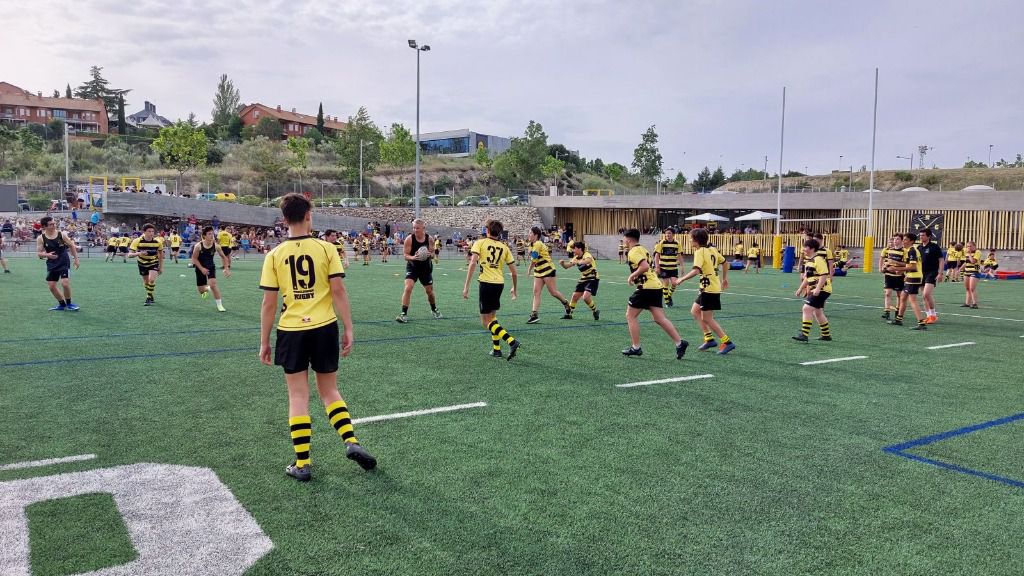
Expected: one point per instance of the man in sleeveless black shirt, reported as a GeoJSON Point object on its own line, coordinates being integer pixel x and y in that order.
{"type": "Point", "coordinates": [53, 246]}
{"type": "Point", "coordinates": [418, 267]}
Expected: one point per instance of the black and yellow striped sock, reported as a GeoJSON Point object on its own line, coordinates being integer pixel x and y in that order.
{"type": "Point", "coordinates": [496, 343]}
{"type": "Point", "coordinates": [805, 327]}
{"type": "Point", "coordinates": [572, 306]}
{"type": "Point", "coordinates": [302, 432]}
{"type": "Point", "coordinates": [592, 304]}
{"type": "Point", "coordinates": [708, 336]}
{"type": "Point", "coordinates": [671, 289]}
{"type": "Point", "coordinates": [899, 316]}
{"type": "Point", "coordinates": [726, 339]}
{"type": "Point", "coordinates": [337, 412]}
{"type": "Point", "coordinates": [665, 292]}
{"type": "Point", "coordinates": [150, 288]}
{"type": "Point", "coordinates": [500, 332]}
{"type": "Point", "coordinates": [826, 330]}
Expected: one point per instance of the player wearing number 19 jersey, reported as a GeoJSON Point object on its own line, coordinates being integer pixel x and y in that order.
{"type": "Point", "coordinates": [307, 273]}
{"type": "Point", "coordinates": [491, 254]}
{"type": "Point", "coordinates": [647, 296]}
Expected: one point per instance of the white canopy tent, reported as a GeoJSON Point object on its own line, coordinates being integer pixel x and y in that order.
{"type": "Point", "coordinates": [758, 215]}
{"type": "Point", "coordinates": [708, 217]}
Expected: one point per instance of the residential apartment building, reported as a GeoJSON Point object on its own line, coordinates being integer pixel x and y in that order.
{"type": "Point", "coordinates": [461, 143]}
{"type": "Point", "coordinates": [292, 123]}
{"type": "Point", "coordinates": [19, 107]}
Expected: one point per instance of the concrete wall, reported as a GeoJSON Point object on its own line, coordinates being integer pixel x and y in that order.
{"type": "Point", "coordinates": [141, 205]}
{"type": "Point", "coordinates": [924, 201]}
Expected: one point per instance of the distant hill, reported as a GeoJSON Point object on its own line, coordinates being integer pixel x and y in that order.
{"type": "Point", "coordinates": [932, 179]}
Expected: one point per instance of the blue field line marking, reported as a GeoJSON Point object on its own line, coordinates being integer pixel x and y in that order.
{"type": "Point", "coordinates": [901, 449]}
{"type": "Point", "coordinates": [368, 340]}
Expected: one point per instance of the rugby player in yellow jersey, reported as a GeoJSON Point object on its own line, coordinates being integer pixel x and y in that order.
{"type": "Point", "coordinates": [912, 282]}
{"type": "Point", "coordinates": [586, 287]}
{"type": "Point", "coordinates": [123, 243]}
{"type": "Point", "coordinates": [543, 275]}
{"type": "Point", "coordinates": [206, 269]}
{"type": "Point", "coordinates": [826, 253]}
{"type": "Point", "coordinates": [842, 258]}
{"type": "Point", "coordinates": [706, 261]}
{"type": "Point", "coordinates": [622, 252]}
{"type": "Point", "coordinates": [970, 269]}
{"type": "Point", "coordinates": [815, 288]}
{"type": "Point", "coordinates": [150, 253]}
{"type": "Point", "coordinates": [952, 262]}
{"type": "Point", "coordinates": [225, 238]}
{"type": "Point", "coordinates": [753, 259]}
{"type": "Point", "coordinates": [332, 238]}
{"type": "Point", "coordinates": [737, 251]}
{"type": "Point", "coordinates": [112, 243]}
{"type": "Point", "coordinates": [491, 254]}
{"type": "Point", "coordinates": [989, 266]}
{"type": "Point", "coordinates": [891, 257]}
{"type": "Point", "coordinates": [175, 245]}
{"type": "Point", "coordinates": [667, 253]}
{"type": "Point", "coordinates": [365, 246]}
{"type": "Point", "coordinates": [437, 249]}
{"type": "Point", "coordinates": [308, 275]}
{"type": "Point", "coordinates": [647, 296]}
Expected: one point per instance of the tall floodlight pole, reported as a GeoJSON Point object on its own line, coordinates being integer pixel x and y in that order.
{"type": "Point", "coordinates": [777, 241]}
{"type": "Point", "coordinates": [418, 49]}
{"type": "Point", "coordinates": [869, 238]}
{"type": "Point", "coordinates": [361, 146]}
{"type": "Point", "coordinates": [67, 166]}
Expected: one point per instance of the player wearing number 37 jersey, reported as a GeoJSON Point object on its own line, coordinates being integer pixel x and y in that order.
{"type": "Point", "coordinates": [307, 273]}
{"type": "Point", "coordinates": [492, 255]}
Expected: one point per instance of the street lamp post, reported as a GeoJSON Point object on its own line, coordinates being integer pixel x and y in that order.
{"type": "Point", "coordinates": [911, 158]}
{"type": "Point", "coordinates": [990, 155]}
{"type": "Point", "coordinates": [361, 146]}
{"type": "Point", "coordinates": [418, 49]}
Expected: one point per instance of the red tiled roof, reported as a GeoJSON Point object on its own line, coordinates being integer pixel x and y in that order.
{"type": "Point", "coordinates": [11, 95]}
{"type": "Point", "coordinates": [288, 116]}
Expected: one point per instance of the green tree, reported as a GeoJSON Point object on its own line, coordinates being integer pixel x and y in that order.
{"type": "Point", "coordinates": [679, 182]}
{"type": "Point", "coordinates": [570, 157]}
{"type": "Point", "coordinates": [552, 168]}
{"type": "Point", "coordinates": [67, 92]}
{"type": "Point", "coordinates": [616, 171]}
{"type": "Point", "coordinates": [703, 181]}
{"type": "Point", "coordinates": [646, 157]}
{"type": "Point", "coordinates": [596, 166]}
{"type": "Point", "coordinates": [360, 130]}
{"type": "Point", "coordinates": [182, 147]}
{"type": "Point", "coordinates": [265, 157]}
{"type": "Point", "coordinates": [98, 87]}
{"type": "Point", "coordinates": [398, 149]}
{"type": "Point", "coordinates": [504, 169]}
{"type": "Point", "coordinates": [320, 119]}
{"type": "Point", "coordinates": [717, 179]}
{"type": "Point", "coordinates": [483, 156]}
{"type": "Point", "coordinates": [225, 101]}
{"type": "Point", "coordinates": [268, 127]}
{"type": "Point", "coordinates": [315, 136]}
{"type": "Point", "coordinates": [523, 160]}
{"type": "Point", "coordinates": [298, 159]}
{"type": "Point", "coordinates": [122, 124]}
{"type": "Point", "coordinates": [56, 93]}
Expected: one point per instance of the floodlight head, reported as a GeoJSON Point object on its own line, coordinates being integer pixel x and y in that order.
{"type": "Point", "coordinates": [425, 48]}
{"type": "Point", "coordinates": [412, 44]}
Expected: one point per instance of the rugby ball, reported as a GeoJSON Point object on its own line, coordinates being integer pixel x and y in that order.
{"type": "Point", "coordinates": [423, 253]}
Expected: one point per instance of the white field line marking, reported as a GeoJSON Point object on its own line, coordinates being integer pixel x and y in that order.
{"type": "Point", "coordinates": [832, 360]}
{"type": "Point", "coordinates": [398, 415]}
{"type": "Point", "coordinates": [47, 462]}
{"type": "Point", "coordinates": [869, 306]}
{"type": "Point", "coordinates": [951, 345]}
{"type": "Point", "coordinates": [665, 381]}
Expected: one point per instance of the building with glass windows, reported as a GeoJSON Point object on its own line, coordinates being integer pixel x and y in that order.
{"type": "Point", "coordinates": [461, 143]}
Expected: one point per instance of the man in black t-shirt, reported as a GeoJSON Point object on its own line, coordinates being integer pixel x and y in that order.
{"type": "Point", "coordinates": [931, 266]}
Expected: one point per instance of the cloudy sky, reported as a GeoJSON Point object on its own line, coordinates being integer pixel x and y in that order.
{"type": "Point", "coordinates": [595, 73]}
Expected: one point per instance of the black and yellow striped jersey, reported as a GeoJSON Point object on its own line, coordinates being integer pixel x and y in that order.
{"type": "Point", "coordinates": [989, 262]}
{"type": "Point", "coordinates": [707, 260]}
{"type": "Point", "coordinates": [587, 267]}
{"type": "Point", "coordinates": [493, 254]}
{"type": "Point", "coordinates": [753, 253]}
{"type": "Point", "coordinates": [113, 241]}
{"type": "Point", "coordinates": [648, 280]}
{"type": "Point", "coordinates": [668, 254]}
{"type": "Point", "coordinates": [825, 253]}
{"type": "Point", "coordinates": [301, 269]}
{"type": "Point", "coordinates": [972, 262]}
{"type": "Point", "coordinates": [893, 256]}
{"type": "Point", "coordinates": [339, 245]}
{"type": "Point", "coordinates": [149, 250]}
{"type": "Point", "coordinates": [816, 269]}
{"type": "Point", "coordinates": [541, 256]}
{"type": "Point", "coordinates": [843, 255]}
{"type": "Point", "coordinates": [124, 242]}
{"type": "Point", "coordinates": [913, 256]}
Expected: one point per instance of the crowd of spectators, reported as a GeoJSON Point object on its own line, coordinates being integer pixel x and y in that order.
{"type": "Point", "coordinates": [516, 219]}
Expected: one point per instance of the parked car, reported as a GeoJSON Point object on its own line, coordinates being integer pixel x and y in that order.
{"type": "Point", "coordinates": [508, 201]}
{"type": "Point", "coordinates": [484, 201]}
{"type": "Point", "coordinates": [441, 200]}
{"type": "Point", "coordinates": [23, 205]}
{"type": "Point", "coordinates": [354, 203]}
{"type": "Point", "coordinates": [469, 201]}
{"type": "Point", "coordinates": [272, 203]}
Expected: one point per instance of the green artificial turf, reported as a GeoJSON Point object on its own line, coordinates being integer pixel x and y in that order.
{"type": "Point", "coordinates": [78, 534]}
{"type": "Point", "coordinates": [768, 467]}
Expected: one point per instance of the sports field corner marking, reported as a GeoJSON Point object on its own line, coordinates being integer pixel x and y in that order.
{"type": "Point", "coordinates": [424, 412]}
{"type": "Point", "coordinates": [46, 462]}
{"type": "Point", "coordinates": [666, 380]}
{"type": "Point", "coordinates": [951, 345]}
{"type": "Point", "coordinates": [830, 360]}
